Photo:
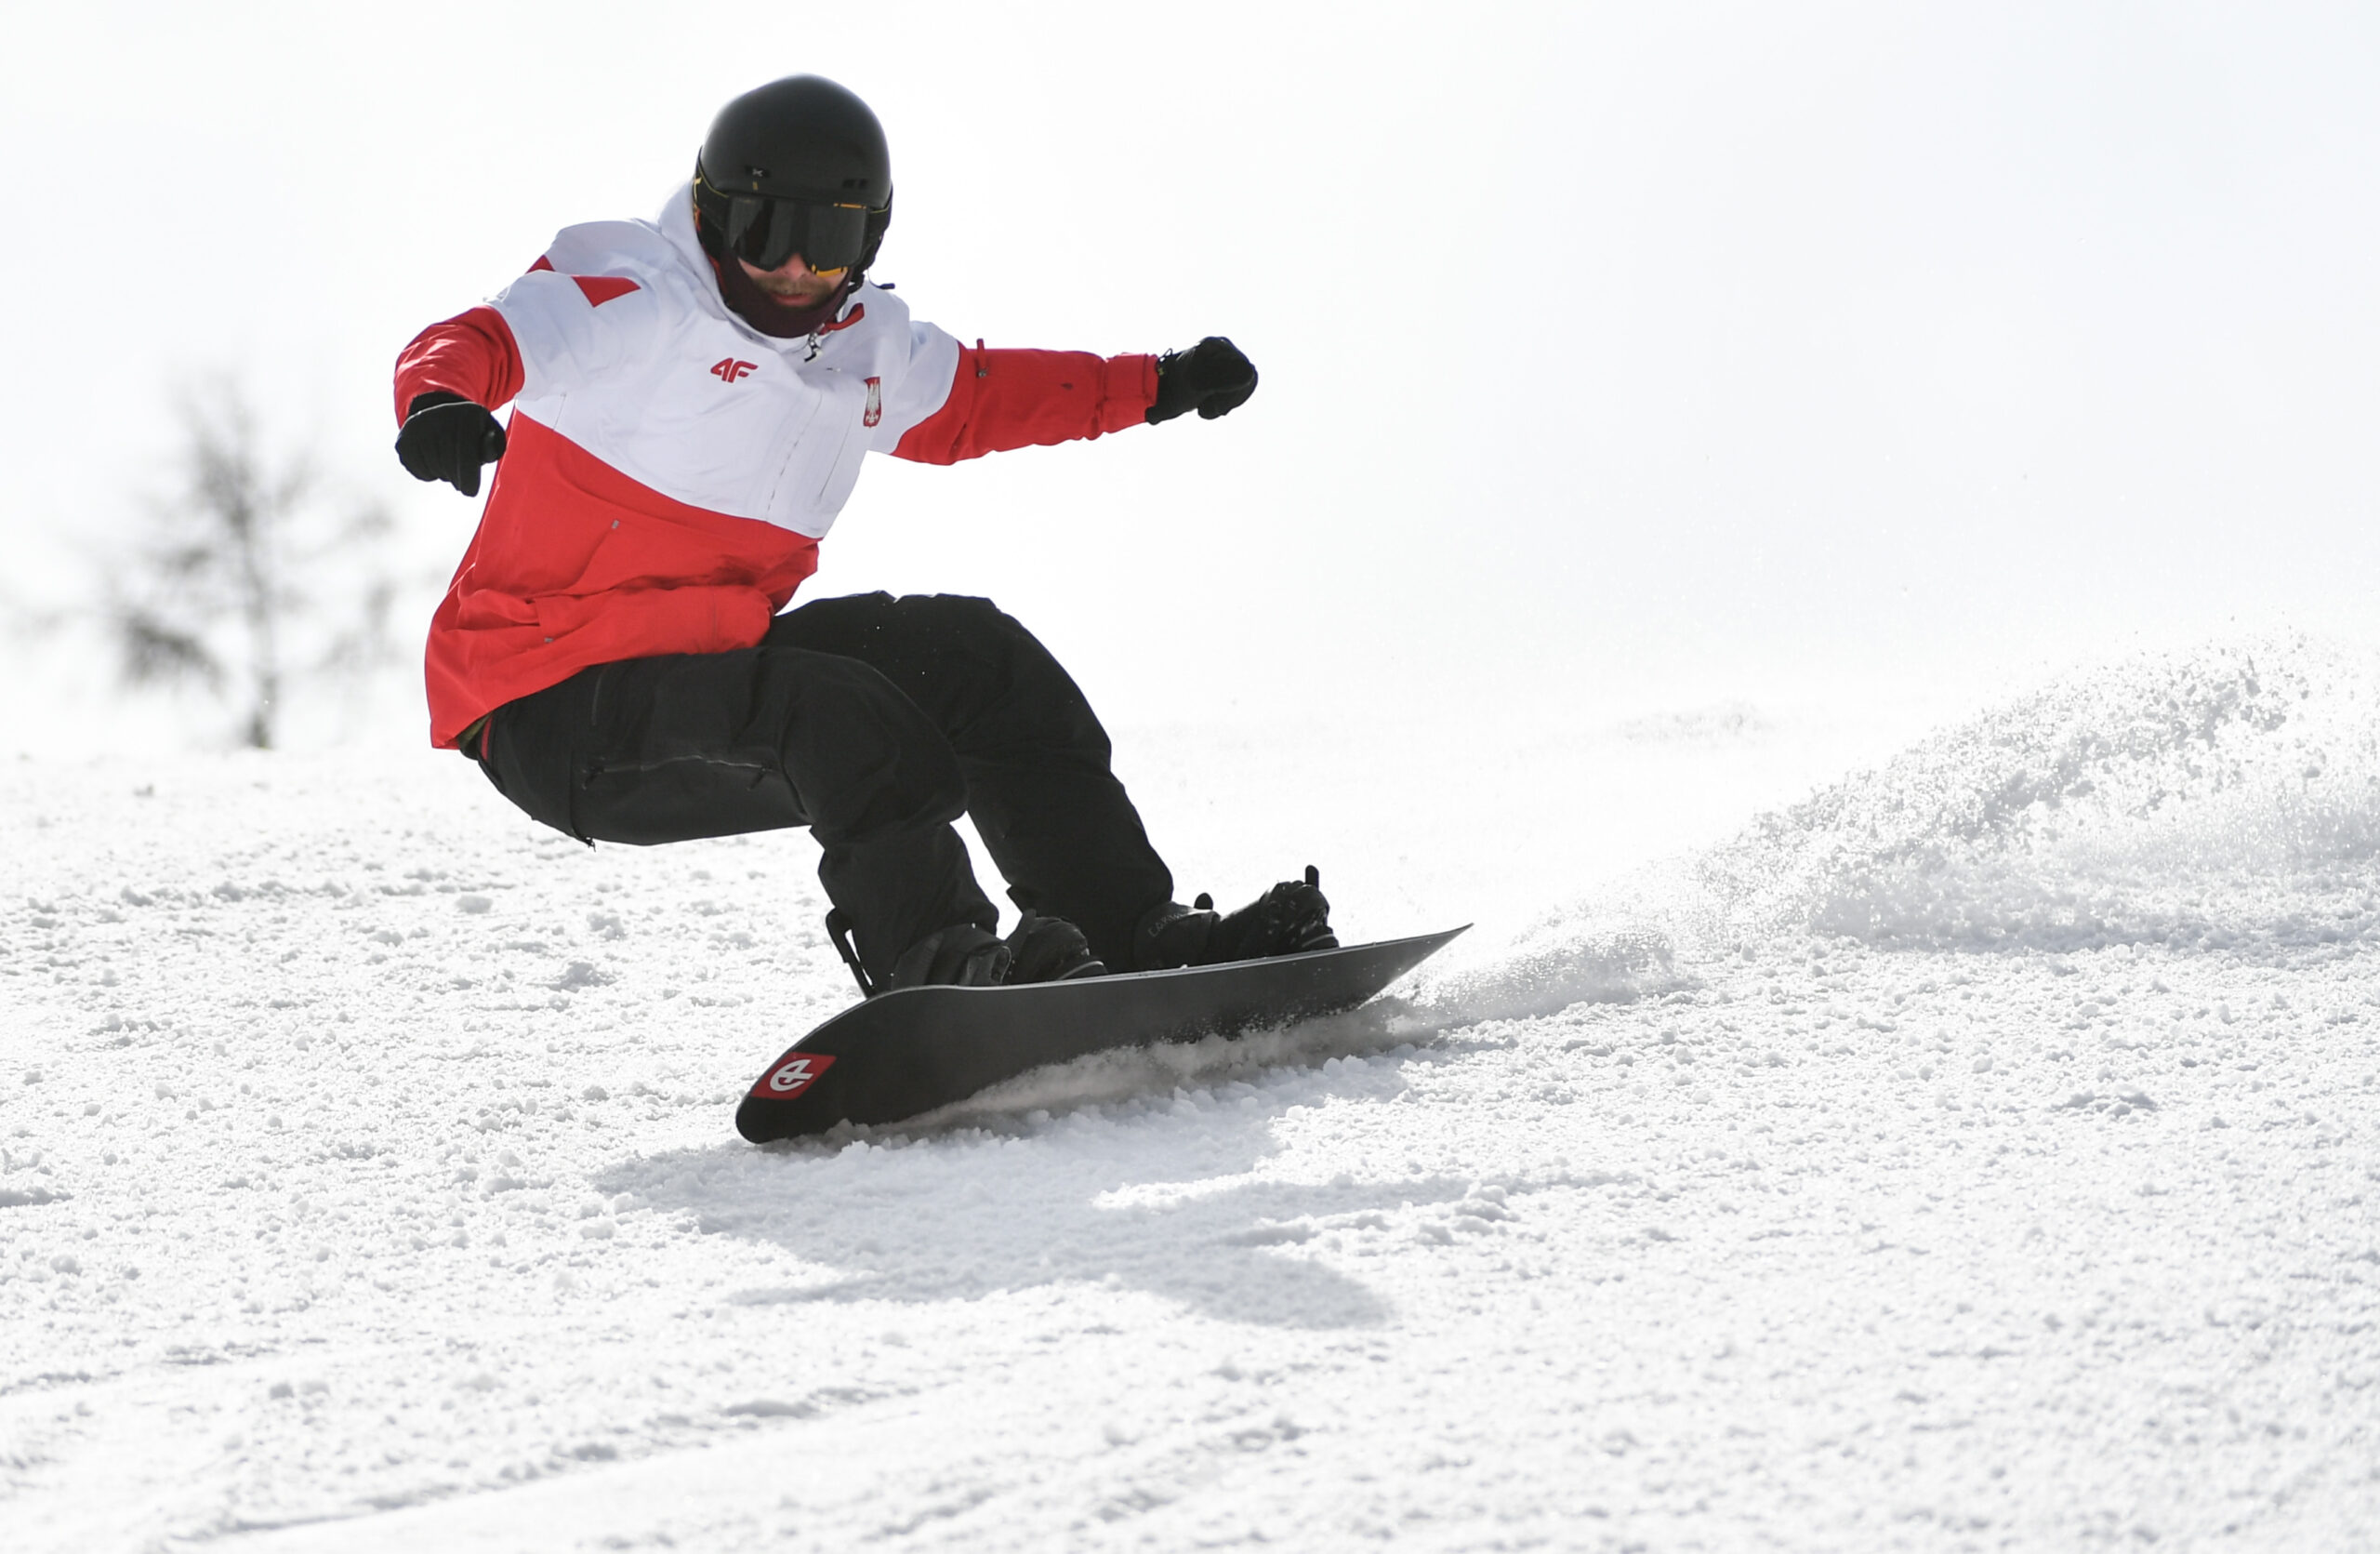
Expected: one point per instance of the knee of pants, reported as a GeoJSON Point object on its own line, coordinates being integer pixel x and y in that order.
{"type": "Point", "coordinates": [962, 622]}
{"type": "Point", "coordinates": [866, 762]}
{"type": "Point", "coordinates": [1024, 697]}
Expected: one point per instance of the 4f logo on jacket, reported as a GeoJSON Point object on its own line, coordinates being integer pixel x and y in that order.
{"type": "Point", "coordinates": [727, 369]}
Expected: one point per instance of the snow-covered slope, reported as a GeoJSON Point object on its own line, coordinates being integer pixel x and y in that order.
{"type": "Point", "coordinates": [1977, 1153]}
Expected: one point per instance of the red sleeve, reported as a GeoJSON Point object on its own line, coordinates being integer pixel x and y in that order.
{"type": "Point", "coordinates": [471, 354]}
{"type": "Point", "coordinates": [1017, 399]}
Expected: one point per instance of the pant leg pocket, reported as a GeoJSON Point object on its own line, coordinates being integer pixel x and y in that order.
{"type": "Point", "coordinates": [683, 798]}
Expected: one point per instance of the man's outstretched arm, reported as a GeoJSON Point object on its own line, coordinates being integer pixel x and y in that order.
{"type": "Point", "coordinates": [1015, 399]}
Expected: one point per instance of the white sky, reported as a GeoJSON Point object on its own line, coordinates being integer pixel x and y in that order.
{"type": "Point", "coordinates": [1686, 352]}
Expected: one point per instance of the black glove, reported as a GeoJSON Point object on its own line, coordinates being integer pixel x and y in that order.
{"type": "Point", "coordinates": [1212, 378]}
{"type": "Point", "coordinates": [447, 437]}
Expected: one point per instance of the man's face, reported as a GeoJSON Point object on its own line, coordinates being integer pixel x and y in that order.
{"type": "Point", "coordinates": [794, 283]}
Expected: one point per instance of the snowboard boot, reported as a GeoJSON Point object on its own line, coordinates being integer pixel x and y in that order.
{"type": "Point", "coordinates": [1289, 919]}
{"type": "Point", "coordinates": [1050, 950]}
{"type": "Point", "coordinates": [961, 955]}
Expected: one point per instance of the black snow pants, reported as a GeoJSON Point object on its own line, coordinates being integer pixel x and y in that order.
{"type": "Point", "coordinates": [876, 722]}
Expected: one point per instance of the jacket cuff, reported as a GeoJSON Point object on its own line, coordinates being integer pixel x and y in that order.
{"type": "Point", "coordinates": [1129, 390]}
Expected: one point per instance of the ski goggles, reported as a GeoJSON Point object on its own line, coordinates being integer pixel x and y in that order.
{"type": "Point", "coordinates": [764, 233]}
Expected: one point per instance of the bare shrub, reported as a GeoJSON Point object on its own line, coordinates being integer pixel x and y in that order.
{"type": "Point", "coordinates": [249, 579]}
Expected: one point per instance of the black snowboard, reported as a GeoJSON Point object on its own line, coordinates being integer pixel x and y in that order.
{"type": "Point", "coordinates": [910, 1051]}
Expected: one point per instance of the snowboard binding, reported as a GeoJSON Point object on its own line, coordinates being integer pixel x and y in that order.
{"type": "Point", "coordinates": [1290, 919]}
{"type": "Point", "coordinates": [1040, 950]}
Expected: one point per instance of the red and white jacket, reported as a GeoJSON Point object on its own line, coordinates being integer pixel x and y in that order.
{"type": "Point", "coordinates": [669, 470]}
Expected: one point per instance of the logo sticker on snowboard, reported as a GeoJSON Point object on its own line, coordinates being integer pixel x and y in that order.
{"type": "Point", "coordinates": [790, 1077]}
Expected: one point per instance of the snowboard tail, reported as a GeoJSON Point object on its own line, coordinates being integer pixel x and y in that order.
{"type": "Point", "coordinates": [915, 1049]}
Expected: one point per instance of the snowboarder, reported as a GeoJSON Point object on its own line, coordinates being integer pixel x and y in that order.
{"type": "Point", "coordinates": [692, 397]}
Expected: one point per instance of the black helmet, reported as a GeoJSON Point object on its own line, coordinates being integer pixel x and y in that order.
{"type": "Point", "coordinates": [797, 166]}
